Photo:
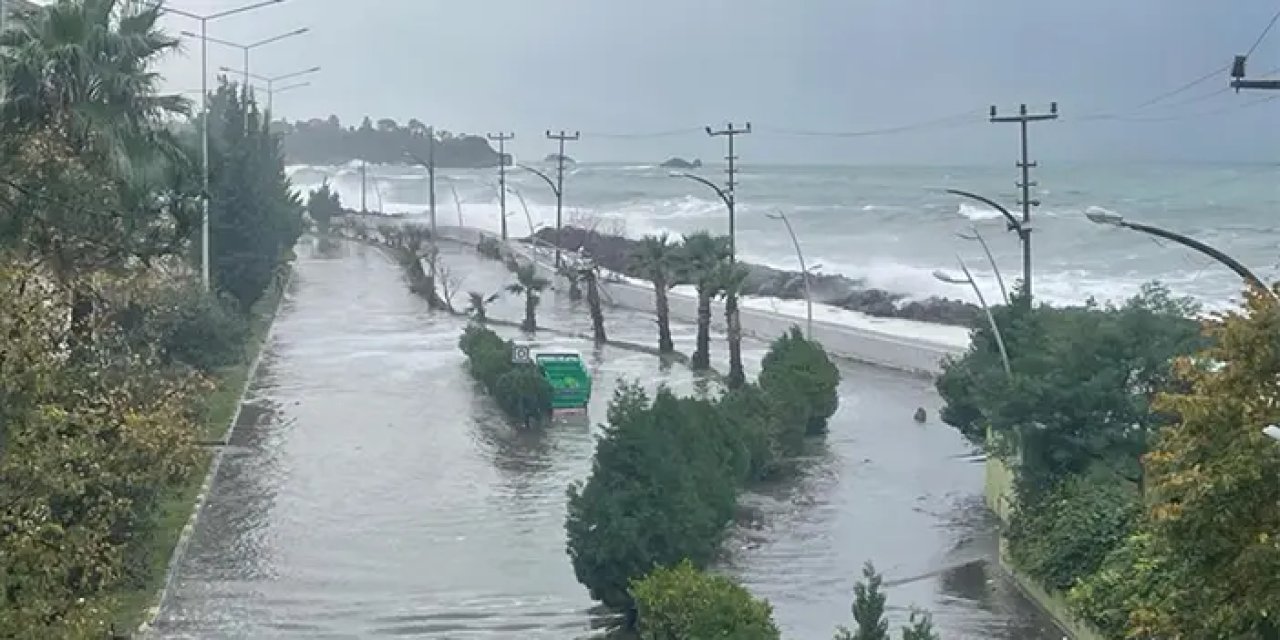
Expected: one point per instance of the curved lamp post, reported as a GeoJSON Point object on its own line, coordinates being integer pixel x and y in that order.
{"type": "Point", "coordinates": [1012, 224]}
{"type": "Point", "coordinates": [246, 48]}
{"type": "Point", "coordinates": [975, 235]}
{"type": "Point", "coordinates": [1116, 220]}
{"type": "Point", "coordinates": [995, 329]}
{"type": "Point", "coordinates": [523, 205]}
{"type": "Point", "coordinates": [728, 203]}
{"type": "Point", "coordinates": [804, 271]}
{"type": "Point", "coordinates": [555, 189]}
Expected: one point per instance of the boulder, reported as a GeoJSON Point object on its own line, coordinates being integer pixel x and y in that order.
{"type": "Point", "coordinates": [681, 163]}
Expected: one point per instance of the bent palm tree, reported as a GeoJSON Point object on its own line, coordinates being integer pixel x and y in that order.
{"type": "Point", "coordinates": [657, 260]}
{"type": "Point", "coordinates": [477, 305]}
{"type": "Point", "coordinates": [529, 284]}
{"type": "Point", "coordinates": [588, 274]}
{"type": "Point", "coordinates": [702, 258]}
{"type": "Point", "coordinates": [729, 279]}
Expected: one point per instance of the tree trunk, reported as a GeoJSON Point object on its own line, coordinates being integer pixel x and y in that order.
{"type": "Point", "coordinates": [733, 323]}
{"type": "Point", "coordinates": [530, 323]}
{"type": "Point", "coordinates": [664, 318]}
{"type": "Point", "coordinates": [575, 291]}
{"type": "Point", "coordinates": [702, 347]}
{"type": "Point", "coordinates": [81, 318]}
{"type": "Point", "coordinates": [597, 314]}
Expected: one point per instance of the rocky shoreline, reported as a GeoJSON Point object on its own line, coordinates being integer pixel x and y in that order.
{"type": "Point", "coordinates": [612, 252]}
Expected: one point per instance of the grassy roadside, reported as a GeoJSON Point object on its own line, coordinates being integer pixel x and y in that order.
{"type": "Point", "coordinates": [133, 602]}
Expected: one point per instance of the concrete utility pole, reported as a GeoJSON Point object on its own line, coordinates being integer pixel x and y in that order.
{"type": "Point", "coordinates": [1023, 118]}
{"type": "Point", "coordinates": [502, 138]}
{"type": "Point", "coordinates": [431, 181]}
{"type": "Point", "coordinates": [730, 199]}
{"type": "Point", "coordinates": [363, 171]}
{"type": "Point", "coordinates": [561, 137]}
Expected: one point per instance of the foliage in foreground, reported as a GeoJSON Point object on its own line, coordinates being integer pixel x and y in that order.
{"type": "Point", "coordinates": [868, 613]}
{"type": "Point", "coordinates": [1212, 499]}
{"type": "Point", "coordinates": [667, 470]}
{"type": "Point", "coordinates": [683, 602]}
{"type": "Point", "coordinates": [519, 389]}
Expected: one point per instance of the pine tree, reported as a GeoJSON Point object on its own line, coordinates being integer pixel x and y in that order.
{"type": "Point", "coordinates": [868, 609]}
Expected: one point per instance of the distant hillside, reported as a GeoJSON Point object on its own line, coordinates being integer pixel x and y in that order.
{"type": "Point", "coordinates": [328, 142]}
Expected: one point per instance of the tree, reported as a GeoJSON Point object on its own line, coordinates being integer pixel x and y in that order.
{"type": "Point", "coordinates": [683, 602]}
{"type": "Point", "coordinates": [701, 258]}
{"type": "Point", "coordinates": [591, 276]}
{"type": "Point", "coordinates": [323, 205]}
{"type": "Point", "coordinates": [868, 609]}
{"type": "Point", "coordinates": [801, 377]}
{"type": "Point", "coordinates": [1212, 495]}
{"type": "Point", "coordinates": [657, 260]}
{"type": "Point", "coordinates": [529, 284]}
{"type": "Point", "coordinates": [1083, 376]}
{"type": "Point", "coordinates": [729, 281]}
{"type": "Point", "coordinates": [477, 303]}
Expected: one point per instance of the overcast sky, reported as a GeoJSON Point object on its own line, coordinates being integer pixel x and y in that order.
{"type": "Point", "coordinates": [631, 67]}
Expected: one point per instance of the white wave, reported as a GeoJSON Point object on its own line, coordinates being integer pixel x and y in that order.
{"type": "Point", "coordinates": [976, 213]}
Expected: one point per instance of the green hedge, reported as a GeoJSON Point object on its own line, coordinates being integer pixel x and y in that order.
{"type": "Point", "coordinates": [519, 389]}
{"type": "Point", "coordinates": [667, 470]}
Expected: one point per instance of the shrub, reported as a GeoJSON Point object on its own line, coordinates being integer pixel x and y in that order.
{"type": "Point", "coordinates": [199, 330]}
{"type": "Point", "coordinates": [661, 491]}
{"type": "Point", "coordinates": [489, 247]}
{"type": "Point", "coordinates": [1063, 536]}
{"type": "Point", "coordinates": [800, 376]}
{"type": "Point", "coordinates": [766, 438]}
{"type": "Point", "coordinates": [520, 390]}
{"type": "Point", "coordinates": [682, 602]}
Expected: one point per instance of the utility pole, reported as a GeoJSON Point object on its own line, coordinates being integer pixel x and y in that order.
{"type": "Point", "coordinates": [731, 200]}
{"type": "Point", "coordinates": [1238, 81]}
{"type": "Point", "coordinates": [1023, 118]}
{"type": "Point", "coordinates": [363, 170]}
{"type": "Point", "coordinates": [502, 138]}
{"type": "Point", "coordinates": [561, 137]}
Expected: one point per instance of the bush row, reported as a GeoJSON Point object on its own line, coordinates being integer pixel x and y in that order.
{"type": "Point", "coordinates": [519, 389]}
{"type": "Point", "coordinates": [667, 470]}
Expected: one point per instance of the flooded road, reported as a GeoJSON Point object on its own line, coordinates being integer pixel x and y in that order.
{"type": "Point", "coordinates": [369, 491]}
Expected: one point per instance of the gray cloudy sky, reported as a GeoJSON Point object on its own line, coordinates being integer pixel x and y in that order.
{"type": "Point", "coordinates": [625, 66]}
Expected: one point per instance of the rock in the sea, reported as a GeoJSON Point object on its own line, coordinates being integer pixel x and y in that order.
{"type": "Point", "coordinates": [555, 157]}
{"type": "Point", "coordinates": [681, 163]}
{"type": "Point", "coordinates": [613, 253]}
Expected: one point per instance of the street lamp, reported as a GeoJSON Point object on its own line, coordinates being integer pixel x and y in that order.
{"type": "Point", "coordinates": [991, 319]}
{"type": "Point", "coordinates": [1116, 220]}
{"type": "Point", "coordinates": [1012, 224]}
{"type": "Point", "coordinates": [554, 189]}
{"type": "Point", "coordinates": [271, 80]}
{"type": "Point", "coordinates": [728, 202]}
{"type": "Point", "coordinates": [975, 235]}
{"type": "Point", "coordinates": [246, 48]}
{"type": "Point", "coordinates": [804, 271]}
{"type": "Point", "coordinates": [204, 116]}
{"type": "Point", "coordinates": [1272, 431]}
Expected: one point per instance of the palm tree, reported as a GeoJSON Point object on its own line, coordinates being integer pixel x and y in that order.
{"type": "Point", "coordinates": [702, 258]}
{"type": "Point", "coordinates": [729, 279]}
{"type": "Point", "coordinates": [588, 273]}
{"type": "Point", "coordinates": [529, 284]}
{"type": "Point", "coordinates": [477, 305]}
{"type": "Point", "coordinates": [657, 260]}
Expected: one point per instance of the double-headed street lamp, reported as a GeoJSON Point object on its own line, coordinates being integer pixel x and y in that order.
{"type": "Point", "coordinates": [991, 319]}
{"type": "Point", "coordinates": [1116, 220]}
{"type": "Point", "coordinates": [204, 116]}
{"type": "Point", "coordinates": [728, 199]}
{"type": "Point", "coordinates": [559, 198]}
{"type": "Point", "coordinates": [246, 48]}
{"type": "Point", "coordinates": [1013, 224]}
{"type": "Point", "coordinates": [271, 91]}
{"type": "Point", "coordinates": [272, 80]}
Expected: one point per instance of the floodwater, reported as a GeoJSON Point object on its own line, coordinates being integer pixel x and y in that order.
{"type": "Point", "coordinates": [370, 491]}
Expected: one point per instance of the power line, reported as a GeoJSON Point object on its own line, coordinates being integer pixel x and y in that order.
{"type": "Point", "coordinates": [1184, 116]}
{"type": "Point", "coordinates": [651, 134]}
{"type": "Point", "coordinates": [1262, 36]}
{"type": "Point", "coordinates": [1193, 83]}
{"type": "Point", "coordinates": [966, 117]}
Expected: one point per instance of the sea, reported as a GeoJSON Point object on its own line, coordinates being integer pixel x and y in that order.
{"type": "Point", "coordinates": [893, 228]}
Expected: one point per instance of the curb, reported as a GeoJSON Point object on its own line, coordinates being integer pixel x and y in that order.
{"type": "Point", "coordinates": [202, 498]}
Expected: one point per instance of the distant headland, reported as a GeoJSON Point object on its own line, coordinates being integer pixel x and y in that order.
{"type": "Point", "coordinates": [326, 141]}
